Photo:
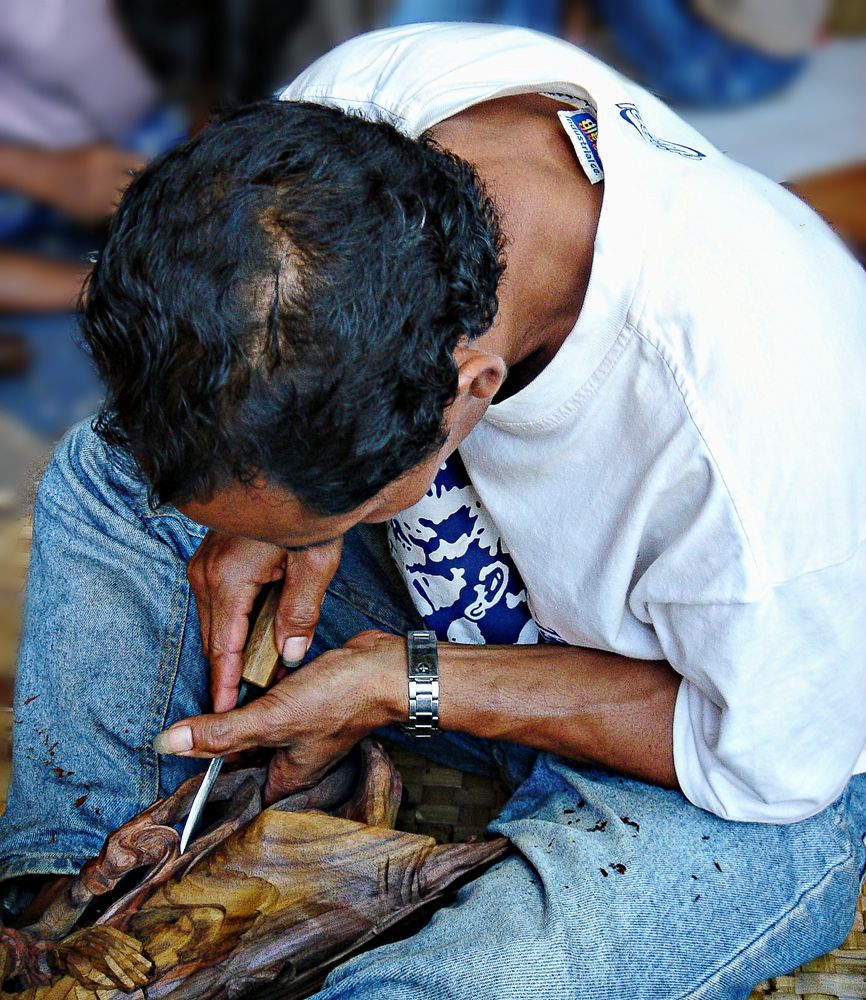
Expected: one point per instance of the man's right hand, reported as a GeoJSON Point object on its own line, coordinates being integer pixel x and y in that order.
{"type": "Point", "coordinates": [226, 574]}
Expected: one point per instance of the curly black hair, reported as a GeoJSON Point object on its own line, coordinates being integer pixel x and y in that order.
{"type": "Point", "coordinates": [280, 298]}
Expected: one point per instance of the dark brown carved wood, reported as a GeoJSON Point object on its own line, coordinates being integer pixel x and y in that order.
{"type": "Point", "coordinates": [267, 899]}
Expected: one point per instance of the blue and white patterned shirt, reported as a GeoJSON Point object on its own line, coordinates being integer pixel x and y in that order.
{"type": "Point", "coordinates": [463, 581]}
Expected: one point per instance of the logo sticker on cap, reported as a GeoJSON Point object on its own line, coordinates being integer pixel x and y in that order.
{"type": "Point", "coordinates": [582, 129]}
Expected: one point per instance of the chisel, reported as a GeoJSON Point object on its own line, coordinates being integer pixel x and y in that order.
{"type": "Point", "coordinates": [261, 660]}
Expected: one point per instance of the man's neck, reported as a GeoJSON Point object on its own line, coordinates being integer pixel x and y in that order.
{"type": "Point", "coordinates": [549, 215]}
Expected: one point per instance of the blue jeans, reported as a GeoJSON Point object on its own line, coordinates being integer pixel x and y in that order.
{"type": "Point", "coordinates": [540, 15]}
{"type": "Point", "coordinates": [681, 57]}
{"type": "Point", "coordinates": [615, 888]}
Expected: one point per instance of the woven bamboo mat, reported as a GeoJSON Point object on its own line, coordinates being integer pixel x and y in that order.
{"type": "Point", "coordinates": [439, 801]}
{"type": "Point", "coordinates": [14, 557]}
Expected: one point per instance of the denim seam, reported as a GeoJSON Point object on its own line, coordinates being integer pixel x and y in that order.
{"type": "Point", "coordinates": [771, 929]}
{"type": "Point", "coordinates": [169, 662]}
{"type": "Point", "coordinates": [192, 529]}
{"type": "Point", "coordinates": [131, 509]}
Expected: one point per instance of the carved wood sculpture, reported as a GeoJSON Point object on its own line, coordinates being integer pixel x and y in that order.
{"type": "Point", "coordinates": [276, 896]}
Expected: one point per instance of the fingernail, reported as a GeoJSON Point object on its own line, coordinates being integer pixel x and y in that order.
{"type": "Point", "coordinates": [294, 650]}
{"type": "Point", "coordinates": [176, 740]}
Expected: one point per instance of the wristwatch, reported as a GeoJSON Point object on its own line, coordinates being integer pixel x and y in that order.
{"type": "Point", "coordinates": [423, 675]}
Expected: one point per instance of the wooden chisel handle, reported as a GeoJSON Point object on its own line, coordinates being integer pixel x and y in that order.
{"type": "Point", "coordinates": [261, 659]}
{"type": "Point", "coordinates": [261, 656]}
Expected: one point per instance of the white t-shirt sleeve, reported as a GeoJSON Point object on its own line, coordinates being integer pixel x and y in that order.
{"type": "Point", "coordinates": [770, 715]}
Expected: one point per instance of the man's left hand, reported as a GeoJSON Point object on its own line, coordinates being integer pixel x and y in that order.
{"type": "Point", "coordinates": [313, 717]}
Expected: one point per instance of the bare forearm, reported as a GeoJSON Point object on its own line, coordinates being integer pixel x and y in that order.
{"type": "Point", "coordinates": [582, 704]}
{"type": "Point", "coordinates": [84, 183]}
{"type": "Point", "coordinates": [588, 706]}
{"type": "Point", "coordinates": [26, 170]}
{"type": "Point", "coordinates": [31, 284]}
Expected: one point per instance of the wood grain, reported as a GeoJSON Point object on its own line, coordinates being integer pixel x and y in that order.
{"type": "Point", "coordinates": [275, 896]}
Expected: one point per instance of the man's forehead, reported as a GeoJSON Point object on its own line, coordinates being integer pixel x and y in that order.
{"type": "Point", "coordinates": [266, 513]}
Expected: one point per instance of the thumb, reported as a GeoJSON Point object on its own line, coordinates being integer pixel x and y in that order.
{"type": "Point", "coordinates": [216, 735]}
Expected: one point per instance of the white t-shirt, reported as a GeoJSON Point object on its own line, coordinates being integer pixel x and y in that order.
{"type": "Point", "coordinates": [686, 479]}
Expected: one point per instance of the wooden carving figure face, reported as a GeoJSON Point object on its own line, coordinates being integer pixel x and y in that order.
{"type": "Point", "coordinates": [275, 896]}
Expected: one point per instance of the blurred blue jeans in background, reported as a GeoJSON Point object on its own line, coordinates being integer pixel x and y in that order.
{"type": "Point", "coordinates": [683, 59]}
{"type": "Point", "coordinates": [542, 15]}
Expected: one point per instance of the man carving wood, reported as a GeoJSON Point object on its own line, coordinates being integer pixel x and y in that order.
{"type": "Point", "coordinates": [602, 386]}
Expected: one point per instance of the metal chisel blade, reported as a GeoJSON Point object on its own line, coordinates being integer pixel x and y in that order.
{"type": "Point", "coordinates": [201, 796]}
{"type": "Point", "coordinates": [204, 789]}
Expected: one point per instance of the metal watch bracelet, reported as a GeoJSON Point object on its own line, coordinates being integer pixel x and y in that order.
{"type": "Point", "coordinates": [423, 675]}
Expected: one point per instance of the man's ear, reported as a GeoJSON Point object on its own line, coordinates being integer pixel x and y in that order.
{"type": "Point", "coordinates": [478, 374]}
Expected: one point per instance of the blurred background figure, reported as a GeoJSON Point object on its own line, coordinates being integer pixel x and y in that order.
{"type": "Point", "coordinates": [714, 52]}
{"type": "Point", "coordinates": [210, 55]}
{"type": "Point", "coordinates": [78, 114]}
{"type": "Point", "coordinates": [325, 24]}
{"type": "Point", "coordinates": [89, 91]}
{"type": "Point", "coordinates": [777, 84]}
{"type": "Point", "coordinates": [541, 15]}
{"type": "Point", "coordinates": [71, 96]}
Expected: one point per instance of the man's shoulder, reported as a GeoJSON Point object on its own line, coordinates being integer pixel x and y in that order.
{"type": "Point", "coordinates": [756, 312]}
{"type": "Point", "coordinates": [417, 75]}
{"type": "Point", "coordinates": [738, 259]}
